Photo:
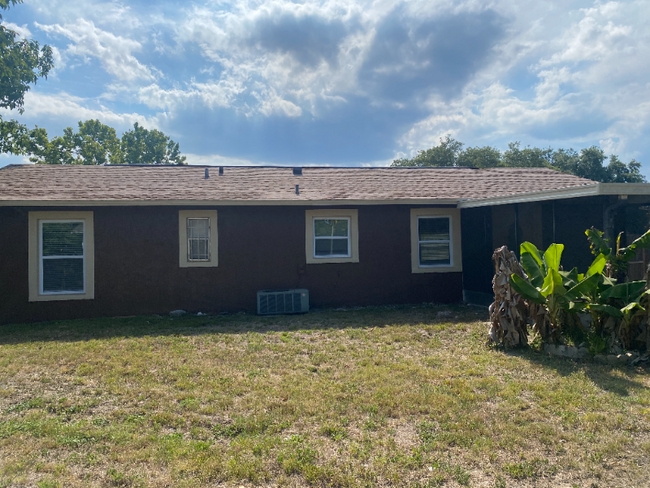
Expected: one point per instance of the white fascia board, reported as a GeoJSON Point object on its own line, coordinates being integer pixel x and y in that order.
{"type": "Point", "coordinates": [222, 203]}
{"type": "Point", "coordinates": [538, 196]}
{"type": "Point", "coordinates": [624, 189]}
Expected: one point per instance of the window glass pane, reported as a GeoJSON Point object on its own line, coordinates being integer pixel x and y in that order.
{"type": "Point", "coordinates": [198, 239]}
{"type": "Point", "coordinates": [66, 274]}
{"type": "Point", "coordinates": [340, 246]}
{"type": "Point", "coordinates": [331, 227]}
{"type": "Point", "coordinates": [323, 247]}
{"type": "Point", "coordinates": [63, 238]}
{"type": "Point", "coordinates": [198, 249]}
{"type": "Point", "coordinates": [329, 247]}
{"type": "Point", "coordinates": [198, 228]}
{"type": "Point", "coordinates": [433, 229]}
{"type": "Point", "coordinates": [432, 254]}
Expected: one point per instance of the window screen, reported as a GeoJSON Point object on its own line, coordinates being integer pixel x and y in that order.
{"type": "Point", "coordinates": [434, 241]}
{"type": "Point", "coordinates": [332, 237]}
{"type": "Point", "coordinates": [62, 256]}
{"type": "Point", "coordinates": [198, 239]}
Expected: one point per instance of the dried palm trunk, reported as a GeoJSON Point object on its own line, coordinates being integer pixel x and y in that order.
{"type": "Point", "coordinates": [508, 313]}
{"type": "Point", "coordinates": [541, 322]}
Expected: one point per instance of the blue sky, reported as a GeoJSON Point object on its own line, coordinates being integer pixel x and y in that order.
{"type": "Point", "coordinates": [346, 82]}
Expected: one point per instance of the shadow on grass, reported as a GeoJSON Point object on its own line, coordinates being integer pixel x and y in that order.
{"type": "Point", "coordinates": [240, 323]}
{"type": "Point", "coordinates": [619, 379]}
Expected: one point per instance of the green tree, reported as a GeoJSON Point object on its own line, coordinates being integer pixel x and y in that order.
{"type": "Point", "coordinates": [528, 157]}
{"type": "Point", "coordinates": [95, 143]}
{"type": "Point", "coordinates": [22, 63]}
{"type": "Point", "coordinates": [480, 157]}
{"type": "Point", "coordinates": [142, 146]}
{"type": "Point", "coordinates": [619, 172]}
{"type": "Point", "coordinates": [445, 154]}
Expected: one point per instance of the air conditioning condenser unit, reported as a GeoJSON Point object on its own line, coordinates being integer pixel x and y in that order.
{"type": "Point", "coordinates": [274, 302]}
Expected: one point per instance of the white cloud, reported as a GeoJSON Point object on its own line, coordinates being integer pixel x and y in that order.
{"type": "Point", "coordinates": [593, 38]}
{"type": "Point", "coordinates": [213, 95]}
{"type": "Point", "coordinates": [283, 75]}
{"type": "Point", "coordinates": [65, 106]}
{"type": "Point", "coordinates": [114, 52]}
{"type": "Point", "coordinates": [21, 30]}
{"type": "Point", "coordinates": [272, 104]}
{"type": "Point", "coordinates": [591, 86]}
{"type": "Point", "coordinates": [112, 14]}
{"type": "Point", "coordinates": [214, 160]}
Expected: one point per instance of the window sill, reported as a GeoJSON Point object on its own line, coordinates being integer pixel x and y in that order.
{"type": "Point", "coordinates": [51, 297]}
{"type": "Point", "coordinates": [333, 260]}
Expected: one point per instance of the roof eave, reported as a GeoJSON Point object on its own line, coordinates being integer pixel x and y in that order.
{"type": "Point", "coordinates": [224, 203]}
{"type": "Point", "coordinates": [539, 196]}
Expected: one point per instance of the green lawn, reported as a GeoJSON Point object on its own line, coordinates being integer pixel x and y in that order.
{"type": "Point", "coordinates": [373, 397]}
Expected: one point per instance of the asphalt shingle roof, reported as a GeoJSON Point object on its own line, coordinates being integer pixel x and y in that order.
{"type": "Point", "coordinates": [78, 184]}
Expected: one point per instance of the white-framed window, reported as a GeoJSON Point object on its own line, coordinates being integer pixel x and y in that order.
{"type": "Point", "coordinates": [435, 240]}
{"type": "Point", "coordinates": [61, 256]}
{"type": "Point", "coordinates": [331, 236]}
{"type": "Point", "coordinates": [197, 238]}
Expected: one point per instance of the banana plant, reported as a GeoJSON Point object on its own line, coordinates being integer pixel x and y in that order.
{"type": "Point", "coordinates": [551, 287]}
{"type": "Point", "coordinates": [630, 294]}
{"type": "Point", "coordinates": [618, 257]}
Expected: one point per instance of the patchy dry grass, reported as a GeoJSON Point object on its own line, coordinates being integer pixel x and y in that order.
{"type": "Point", "coordinates": [372, 397]}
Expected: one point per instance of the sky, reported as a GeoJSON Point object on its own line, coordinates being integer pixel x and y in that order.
{"type": "Point", "coordinates": [345, 82]}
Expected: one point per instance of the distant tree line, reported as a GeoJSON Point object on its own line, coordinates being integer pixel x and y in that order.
{"type": "Point", "coordinates": [92, 143]}
{"type": "Point", "coordinates": [586, 163]}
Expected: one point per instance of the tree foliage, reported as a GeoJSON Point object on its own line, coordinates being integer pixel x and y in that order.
{"type": "Point", "coordinates": [22, 63]}
{"type": "Point", "coordinates": [95, 143]}
{"type": "Point", "coordinates": [142, 146]}
{"type": "Point", "coordinates": [587, 163]}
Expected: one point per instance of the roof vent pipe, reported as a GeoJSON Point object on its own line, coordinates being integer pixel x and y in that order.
{"type": "Point", "coordinates": [297, 189]}
{"type": "Point", "coordinates": [207, 173]}
{"type": "Point", "coordinates": [297, 171]}
{"type": "Point", "coordinates": [220, 170]}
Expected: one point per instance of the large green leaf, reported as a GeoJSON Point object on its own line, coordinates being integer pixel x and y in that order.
{"type": "Point", "coordinates": [606, 283]}
{"type": "Point", "coordinates": [625, 291]}
{"type": "Point", "coordinates": [570, 278]}
{"type": "Point", "coordinates": [598, 244]}
{"type": "Point", "coordinates": [577, 306]}
{"type": "Point", "coordinates": [582, 289]}
{"type": "Point", "coordinates": [629, 252]}
{"type": "Point", "coordinates": [597, 266]}
{"type": "Point", "coordinates": [532, 268]}
{"type": "Point", "coordinates": [635, 303]}
{"type": "Point", "coordinates": [529, 247]}
{"type": "Point", "coordinates": [608, 309]}
{"type": "Point", "coordinates": [526, 290]}
{"type": "Point", "coordinates": [553, 284]}
{"type": "Point", "coordinates": [631, 306]}
{"type": "Point", "coordinates": [552, 257]}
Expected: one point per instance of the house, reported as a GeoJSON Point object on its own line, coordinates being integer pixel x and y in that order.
{"type": "Point", "coordinates": [84, 241]}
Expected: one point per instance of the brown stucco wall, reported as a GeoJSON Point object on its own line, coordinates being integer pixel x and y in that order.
{"type": "Point", "coordinates": [137, 269]}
